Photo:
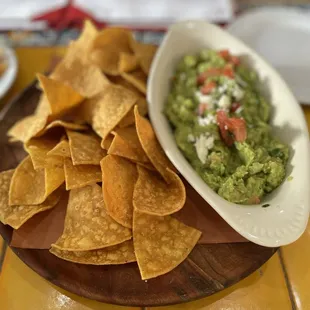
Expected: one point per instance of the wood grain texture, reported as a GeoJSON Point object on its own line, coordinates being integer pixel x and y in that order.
{"type": "Point", "coordinates": [208, 269]}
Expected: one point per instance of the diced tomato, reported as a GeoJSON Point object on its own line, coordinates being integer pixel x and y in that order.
{"type": "Point", "coordinates": [202, 107]}
{"type": "Point", "coordinates": [201, 78]}
{"type": "Point", "coordinates": [235, 126]}
{"type": "Point", "coordinates": [234, 107]}
{"type": "Point", "coordinates": [222, 119]}
{"type": "Point", "coordinates": [213, 72]}
{"type": "Point", "coordinates": [228, 71]}
{"type": "Point", "coordinates": [235, 60]}
{"type": "Point", "coordinates": [209, 73]}
{"type": "Point", "coordinates": [224, 54]}
{"type": "Point", "coordinates": [208, 87]}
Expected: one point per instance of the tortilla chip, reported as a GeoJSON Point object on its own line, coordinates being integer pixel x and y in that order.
{"type": "Point", "coordinates": [152, 195]}
{"type": "Point", "coordinates": [81, 175]}
{"type": "Point", "coordinates": [107, 60]}
{"type": "Point", "coordinates": [43, 229]}
{"type": "Point", "coordinates": [109, 108]}
{"type": "Point", "coordinates": [38, 148]}
{"type": "Point", "coordinates": [161, 243]}
{"type": "Point", "coordinates": [28, 127]}
{"type": "Point", "coordinates": [145, 54]}
{"type": "Point", "coordinates": [60, 97]}
{"type": "Point", "coordinates": [129, 118]}
{"type": "Point", "coordinates": [88, 34]}
{"type": "Point", "coordinates": [61, 149]}
{"type": "Point", "coordinates": [126, 144]}
{"type": "Point", "coordinates": [106, 143]}
{"type": "Point", "coordinates": [120, 38]}
{"type": "Point", "coordinates": [119, 177]}
{"type": "Point", "coordinates": [54, 174]}
{"type": "Point", "coordinates": [87, 224]}
{"type": "Point", "coordinates": [148, 166]}
{"type": "Point", "coordinates": [43, 107]}
{"type": "Point", "coordinates": [118, 80]}
{"type": "Point", "coordinates": [85, 148]}
{"type": "Point", "coordinates": [137, 78]}
{"type": "Point", "coordinates": [122, 253]}
{"type": "Point", "coordinates": [152, 147]}
{"type": "Point", "coordinates": [62, 124]}
{"type": "Point", "coordinates": [16, 216]}
{"type": "Point", "coordinates": [84, 77]}
{"type": "Point", "coordinates": [127, 62]}
{"type": "Point", "coordinates": [32, 187]}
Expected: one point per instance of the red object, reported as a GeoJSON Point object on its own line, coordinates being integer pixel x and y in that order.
{"type": "Point", "coordinates": [234, 107]}
{"type": "Point", "coordinates": [224, 54]}
{"type": "Point", "coordinates": [222, 120]}
{"type": "Point", "coordinates": [208, 87]}
{"type": "Point", "coordinates": [235, 60]}
{"type": "Point", "coordinates": [233, 125]}
{"type": "Point", "coordinates": [67, 17]}
{"type": "Point", "coordinates": [237, 127]}
{"type": "Point", "coordinates": [229, 71]}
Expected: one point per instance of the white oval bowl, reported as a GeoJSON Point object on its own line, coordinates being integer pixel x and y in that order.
{"type": "Point", "coordinates": [286, 218]}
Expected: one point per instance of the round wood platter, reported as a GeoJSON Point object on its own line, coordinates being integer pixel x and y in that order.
{"type": "Point", "coordinates": [207, 270]}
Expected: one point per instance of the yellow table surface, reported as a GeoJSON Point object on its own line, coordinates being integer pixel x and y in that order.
{"type": "Point", "coordinates": [282, 283]}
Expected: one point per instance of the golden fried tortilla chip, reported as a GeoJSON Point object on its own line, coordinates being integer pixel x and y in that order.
{"type": "Point", "coordinates": [81, 175]}
{"type": "Point", "coordinates": [126, 144]}
{"type": "Point", "coordinates": [161, 243]}
{"type": "Point", "coordinates": [152, 195]}
{"type": "Point", "coordinates": [118, 80]}
{"type": "Point", "coordinates": [145, 54]}
{"type": "Point", "coordinates": [85, 148]}
{"type": "Point", "coordinates": [87, 224]}
{"type": "Point", "coordinates": [107, 60]}
{"type": "Point", "coordinates": [120, 38]}
{"type": "Point", "coordinates": [137, 78]}
{"type": "Point", "coordinates": [16, 216]}
{"type": "Point", "coordinates": [152, 147]}
{"type": "Point", "coordinates": [122, 253]}
{"type": "Point", "coordinates": [32, 187]}
{"type": "Point", "coordinates": [106, 143]}
{"type": "Point", "coordinates": [28, 127]}
{"type": "Point", "coordinates": [109, 108]}
{"type": "Point", "coordinates": [63, 124]}
{"type": "Point", "coordinates": [127, 62]}
{"type": "Point", "coordinates": [84, 77]}
{"type": "Point", "coordinates": [38, 148]}
{"type": "Point", "coordinates": [61, 97]}
{"type": "Point", "coordinates": [87, 36]}
{"type": "Point", "coordinates": [118, 177]}
{"type": "Point", "coordinates": [129, 118]}
{"type": "Point", "coordinates": [61, 149]}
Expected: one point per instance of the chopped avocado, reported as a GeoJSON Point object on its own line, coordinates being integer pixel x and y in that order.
{"type": "Point", "coordinates": [221, 124]}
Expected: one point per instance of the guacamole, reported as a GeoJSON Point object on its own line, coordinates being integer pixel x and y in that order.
{"type": "Point", "coordinates": [221, 124]}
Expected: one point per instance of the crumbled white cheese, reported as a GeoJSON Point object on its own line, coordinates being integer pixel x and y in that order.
{"type": "Point", "coordinates": [224, 102]}
{"type": "Point", "coordinates": [238, 93]}
{"type": "Point", "coordinates": [225, 127]}
{"type": "Point", "coordinates": [207, 120]}
{"type": "Point", "coordinates": [203, 144]}
{"type": "Point", "coordinates": [222, 89]}
{"type": "Point", "coordinates": [191, 138]}
{"type": "Point", "coordinates": [205, 99]}
{"type": "Point", "coordinates": [239, 110]}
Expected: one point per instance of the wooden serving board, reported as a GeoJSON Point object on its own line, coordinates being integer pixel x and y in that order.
{"type": "Point", "coordinates": [208, 269]}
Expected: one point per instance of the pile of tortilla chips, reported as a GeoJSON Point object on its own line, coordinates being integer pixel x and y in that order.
{"type": "Point", "coordinates": [89, 136]}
